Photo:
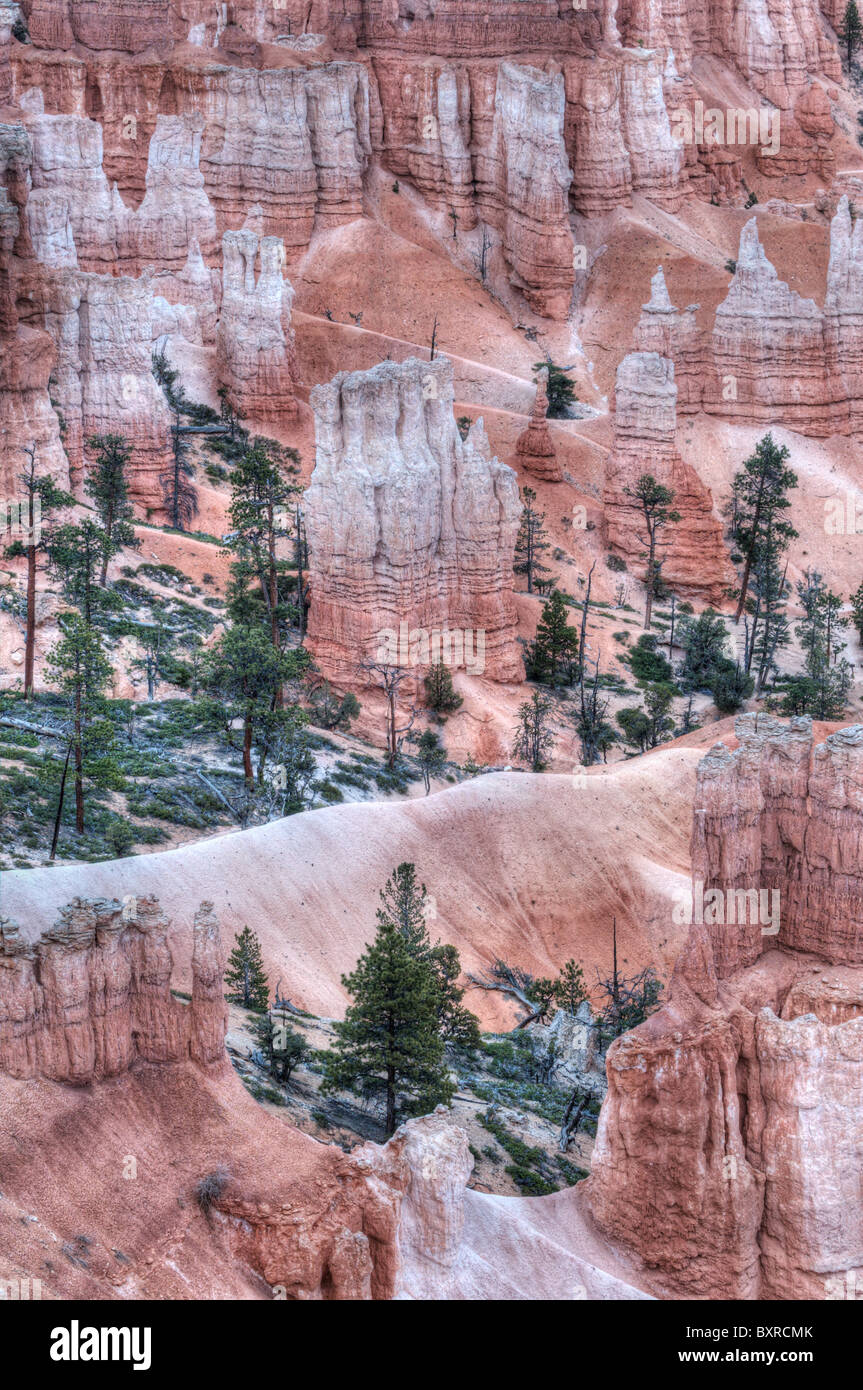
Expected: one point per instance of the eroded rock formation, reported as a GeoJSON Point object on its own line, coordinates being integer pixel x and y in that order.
{"type": "Point", "coordinates": [409, 526]}
{"type": "Point", "coordinates": [727, 1154]}
{"type": "Point", "coordinates": [92, 996]}
{"type": "Point", "coordinates": [255, 340]}
{"type": "Point", "coordinates": [692, 552]}
{"type": "Point", "coordinates": [534, 448]}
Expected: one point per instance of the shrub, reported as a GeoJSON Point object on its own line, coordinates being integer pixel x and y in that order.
{"type": "Point", "coordinates": [211, 1187]}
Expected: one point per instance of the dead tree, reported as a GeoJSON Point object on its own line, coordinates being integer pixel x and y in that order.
{"type": "Point", "coordinates": [572, 1119]}
{"type": "Point", "coordinates": [390, 678]}
{"type": "Point", "coordinates": [515, 984]}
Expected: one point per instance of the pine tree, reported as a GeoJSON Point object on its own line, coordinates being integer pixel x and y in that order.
{"type": "Point", "coordinates": [77, 665]}
{"type": "Point", "coordinates": [533, 737]}
{"type": "Point", "coordinates": [653, 501]}
{"type": "Point", "coordinates": [852, 29]}
{"type": "Point", "coordinates": [531, 541]}
{"type": "Point", "coordinates": [554, 656]}
{"type": "Point", "coordinates": [569, 990]}
{"type": "Point", "coordinates": [261, 494]}
{"type": "Point", "coordinates": [245, 672]}
{"type": "Point", "coordinates": [823, 691]}
{"type": "Point", "coordinates": [431, 755]}
{"type": "Point", "coordinates": [178, 491]}
{"type": "Point", "coordinates": [77, 557]}
{"type": "Point", "coordinates": [283, 1047]}
{"type": "Point", "coordinates": [108, 486]}
{"type": "Point", "coordinates": [389, 1046]}
{"type": "Point", "coordinates": [42, 496]}
{"type": "Point", "coordinates": [244, 973]}
{"type": "Point", "coordinates": [440, 695]}
{"type": "Point", "coordinates": [703, 640]}
{"type": "Point", "coordinates": [758, 501]}
{"type": "Point", "coordinates": [560, 390]}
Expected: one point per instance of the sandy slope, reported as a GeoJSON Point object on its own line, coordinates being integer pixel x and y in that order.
{"type": "Point", "coordinates": [530, 868]}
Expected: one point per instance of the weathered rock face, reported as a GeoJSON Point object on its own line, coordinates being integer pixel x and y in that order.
{"type": "Point", "coordinates": [411, 529]}
{"type": "Point", "coordinates": [772, 356]}
{"type": "Point", "coordinates": [694, 559]}
{"type": "Point", "coordinates": [673, 333]}
{"type": "Point", "coordinates": [726, 1154]}
{"type": "Point", "coordinates": [843, 311]}
{"type": "Point", "coordinates": [255, 339]}
{"type": "Point", "coordinates": [92, 996]}
{"type": "Point", "coordinates": [523, 184]}
{"type": "Point", "coordinates": [103, 328]}
{"type": "Point", "coordinates": [534, 448]}
{"type": "Point", "coordinates": [27, 353]}
{"type": "Point", "coordinates": [768, 349]}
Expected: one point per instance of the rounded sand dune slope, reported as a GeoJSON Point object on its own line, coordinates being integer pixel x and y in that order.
{"type": "Point", "coordinates": [524, 867]}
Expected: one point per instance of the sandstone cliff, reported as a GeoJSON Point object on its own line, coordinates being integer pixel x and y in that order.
{"type": "Point", "coordinates": [255, 346]}
{"type": "Point", "coordinates": [407, 523]}
{"type": "Point", "coordinates": [691, 550]}
{"type": "Point", "coordinates": [726, 1155]}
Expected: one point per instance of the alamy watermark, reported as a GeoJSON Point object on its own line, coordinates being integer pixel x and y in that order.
{"type": "Point", "coordinates": [735, 126]}
{"type": "Point", "coordinates": [15, 520]}
{"type": "Point", "coordinates": [728, 907]}
{"type": "Point", "coordinates": [420, 646]}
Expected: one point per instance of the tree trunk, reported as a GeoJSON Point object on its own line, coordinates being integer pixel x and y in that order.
{"type": "Point", "coordinates": [60, 800]}
{"type": "Point", "coordinates": [651, 561]}
{"type": "Point", "coordinates": [247, 750]}
{"type": "Point", "coordinates": [109, 526]}
{"type": "Point", "coordinates": [30, 640]}
{"type": "Point", "coordinates": [79, 783]}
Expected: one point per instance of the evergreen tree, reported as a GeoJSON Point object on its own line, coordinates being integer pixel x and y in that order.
{"type": "Point", "coordinates": [731, 687]}
{"type": "Point", "coordinates": [553, 659]}
{"type": "Point", "coordinates": [635, 724]}
{"type": "Point", "coordinates": [857, 610]}
{"type": "Point", "coordinates": [155, 640]}
{"type": "Point", "coordinates": [560, 390]}
{"type": "Point", "coordinates": [78, 667]}
{"type": "Point", "coordinates": [389, 1046]}
{"type": "Point", "coordinates": [852, 29]}
{"type": "Point", "coordinates": [440, 695]}
{"type": "Point", "coordinates": [431, 755]}
{"type": "Point", "coordinates": [657, 703]}
{"type": "Point", "coordinates": [283, 1047]}
{"type": "Point", "coordinates": [76, 556]}
{"type": "Point", "coordinates": [653, 501]}
{"type": "Point", "coordinates": [569, 990]}
{"type": "Point", "coordinates": [178, 491]}
{"type": "Point", "coordinates": [595, 734]}
{"type": "Point", "coordinates": [533, 737]}
{"type": "Point", "coordinates": [758, 501]}
{"type": "Point", "coordinates": [405, 906]}
{"type": "Point", "coordinates": [261, 494]}
{"type": "Point", "coordinates": [330, 710]}
{"type": "Point", "coordinates": [823, 691]}
{"type": "Point", "coordinates": [244, 974]}
{"type": "Point", "coordinates": [531, 541]}
{"type": "Point", "coordinates": [770, 629]}
{"type": "Point", "coordinates": [108, 486]}
{"type": "Point", "coordinates": [703, 640]}
{"type": "Point", "coordinates": [41, 496]}
{"type": "Point", "coordinates": [245, 671]}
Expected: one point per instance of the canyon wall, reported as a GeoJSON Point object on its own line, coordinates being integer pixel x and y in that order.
{"type": "Point", "coordinates": [772, 357]}
{"type": "Point", "coordinates": [27, 352]}
{"type": "Point", "coordinates": [255, 344]}
{"type": "Point", "coordinates": [92, 996]}
{"type": "Point", "coordinates": [407, 523]}
{"type": "Point", "coordinates": [726, 1157]}
{"type": "Point", "coordinates": [691, 550]}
